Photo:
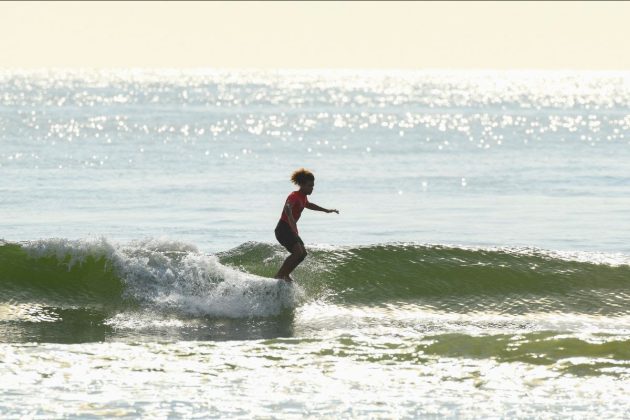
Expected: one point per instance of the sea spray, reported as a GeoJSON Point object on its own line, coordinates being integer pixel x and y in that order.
{"type": "Point", "coordinates": [157, 273]}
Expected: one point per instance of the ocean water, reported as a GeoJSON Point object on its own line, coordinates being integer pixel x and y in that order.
{"type": "Point", "coordinates": [479, 266]}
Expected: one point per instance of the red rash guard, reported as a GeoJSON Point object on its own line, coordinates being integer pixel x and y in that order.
{"type": "Point", "coordinates": [298, 201]}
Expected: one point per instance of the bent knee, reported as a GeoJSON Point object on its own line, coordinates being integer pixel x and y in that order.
{"type": "Point", "coordinates": [300, 254]}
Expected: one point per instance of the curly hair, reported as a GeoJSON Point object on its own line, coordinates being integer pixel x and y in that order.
{"type": "Point", "coordinates": [301, 176]}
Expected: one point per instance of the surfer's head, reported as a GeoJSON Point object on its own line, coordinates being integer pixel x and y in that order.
{"type": "Point", "coordinates": [305, 179]}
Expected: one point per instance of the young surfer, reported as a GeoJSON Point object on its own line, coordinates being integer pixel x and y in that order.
{"type": "Point", "coordinates": [286, 230]}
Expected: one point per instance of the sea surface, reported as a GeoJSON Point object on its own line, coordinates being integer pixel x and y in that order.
{"type": "Point", "coordinates": [479, 266]}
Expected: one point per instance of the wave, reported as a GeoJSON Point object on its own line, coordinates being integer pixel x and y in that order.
{"type": "Point", "coordinates": [162, 275]}
{"type": "Point", "coordinates": [170, 276]}
{"type": "Point", "coordinates": [456, 278]}
{"type": "Point", "coordinates": [564, 353]}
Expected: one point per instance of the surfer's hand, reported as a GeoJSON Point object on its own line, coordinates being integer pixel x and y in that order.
{"type": "Point", "coordinates": [332, 211]}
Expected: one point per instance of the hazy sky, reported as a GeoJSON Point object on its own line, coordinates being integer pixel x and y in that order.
{"type": "Point", "coordinates": [416, 35]}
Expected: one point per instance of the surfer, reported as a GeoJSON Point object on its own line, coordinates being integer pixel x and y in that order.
{"type": "Point", "coordinates": [286, 230]}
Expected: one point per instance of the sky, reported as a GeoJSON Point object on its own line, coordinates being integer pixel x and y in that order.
{"type": "Point", "coordinates": [369, 35]}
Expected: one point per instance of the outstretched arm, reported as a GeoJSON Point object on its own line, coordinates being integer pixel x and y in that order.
{"type": "Point", "coordinates": [313, 206]}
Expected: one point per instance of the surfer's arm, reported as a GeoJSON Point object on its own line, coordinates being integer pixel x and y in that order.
{"type": "Point", "coordinates": [313, 206]}
{"type": "Point", "coordinates": [289, 212]}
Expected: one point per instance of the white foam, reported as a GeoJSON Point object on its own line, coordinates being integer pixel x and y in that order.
{"type": "Point", "coordinates": [174, 276]}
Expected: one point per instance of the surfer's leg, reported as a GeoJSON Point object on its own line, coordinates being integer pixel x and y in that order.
{"type": "Point", "coordinates": [298, 253]}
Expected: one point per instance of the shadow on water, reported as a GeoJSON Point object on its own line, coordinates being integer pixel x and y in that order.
{"type": "Point", "coordinates": [73, 326]}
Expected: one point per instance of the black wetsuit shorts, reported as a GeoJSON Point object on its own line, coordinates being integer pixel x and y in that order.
{"type": "Point", "coordinates": [286, 236]}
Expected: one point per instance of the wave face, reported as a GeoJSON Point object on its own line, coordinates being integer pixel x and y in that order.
{"type": "Point", "coordinates": [174, 277]}
{"type": "Point", "coordinates": [456, 279]}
